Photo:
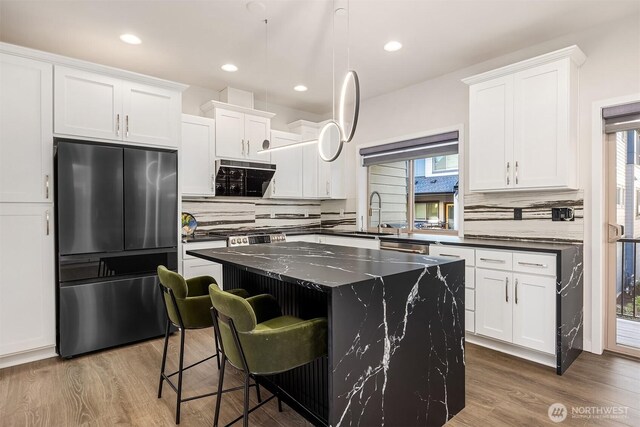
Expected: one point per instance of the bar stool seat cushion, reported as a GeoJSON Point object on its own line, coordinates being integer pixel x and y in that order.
{"type": "Point", "coordinates": [272, 343]}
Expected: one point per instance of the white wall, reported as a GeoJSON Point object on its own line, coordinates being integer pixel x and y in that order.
{"type": "Point", "coordinates": [195, 96]}
{"type": "Point", "coordinates": [612, 69]}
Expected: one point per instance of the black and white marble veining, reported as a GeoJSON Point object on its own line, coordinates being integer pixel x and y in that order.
{"type": "Point", "coordinates": [569, 307]}
{"type": "Point", "coordinates": [396, 326]}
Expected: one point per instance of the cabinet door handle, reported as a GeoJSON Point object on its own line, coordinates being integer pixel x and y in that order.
{"type": "Point", "coordinates": [532, 264]}
{"type": "Point", "coordinates": [213, 183]}
{"type": "Point", "coordinates": [327, 187]}
{"type": "Point", "coordinates": [497, 261]}
{"type": "Point", "coordinates": [508, 173]}
{"type": "Point", "coordinates": [516, 291]}
{"type": "Point", "coordinates": [516, 173]}
{"type": "Point", "coordinates": [453, 256]}
{"type": "Point", "coordinates": [243, 147]}
{"type": "Point", "coordinates": [126, 125]}
{"type": "Point", "coordinates": [118, 124]}
{"type": "Point", "coordinates": [46, 186]}
{"type": "Point", "coordinates": [47, 214]}
{"type": "Point", "coordinates": [506, 290]}
{"type": "Point", "coordinates": [248, 147]}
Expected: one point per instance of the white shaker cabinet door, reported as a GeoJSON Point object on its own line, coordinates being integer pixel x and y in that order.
{"type": "Point", "coordinates": [87, 104]}
{"type": "Point", "coordinates": [491, 135]}
{"type": "Point", "coordinates": [151, 115]}
{"type": "Point", "coordinates": [256, 130]}
{"type": "Point", "coordinates": [230, 142]}
{"type": "Point", "coordinates": [287, 181]}
{"type": "Point", "coordinates": [493, 304]}
{"type": "Point", "coordinates": [26, 141]}
{"type": "Point", "coordinates": [534, 312]}
{"type": "Point", "coordinates": [197, 156]}
{"type": "Point", "coordinates": [541, 139]}
{"type": "Point", "coordinates": [27, 278]}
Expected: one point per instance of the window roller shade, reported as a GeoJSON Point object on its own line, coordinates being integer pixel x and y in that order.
{"type": "Point", "coordinates": [621, 118]}
{"type": "Point", "coordinates": [429, 146]}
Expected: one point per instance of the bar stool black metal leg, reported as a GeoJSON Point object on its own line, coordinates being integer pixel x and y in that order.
{"type": "Point", "coordinates": [179, 393]}
{"type": "Point", "coordinates": [258, 391]}
{"type": "Point", "coordinates": [245, 412]}
{"type": "Point", "coordinates": [164, 359]}
{"type": "Point", "coordinates": [219, 395]}
{"type": "Point", "coordinates": [279, 404]}
{"type": "Point", "coordinates": [215, 338]}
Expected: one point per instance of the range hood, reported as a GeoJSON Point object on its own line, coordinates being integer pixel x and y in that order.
{"type": "Point", "coordinates": [243, 179]}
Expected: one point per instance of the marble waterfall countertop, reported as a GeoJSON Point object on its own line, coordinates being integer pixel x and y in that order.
{"type": "Point", "coordinates": [318, 265]}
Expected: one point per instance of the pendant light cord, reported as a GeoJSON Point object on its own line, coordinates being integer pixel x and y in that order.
{"type": "Point", "coordinates": [333, 62]}
{"type": "Point", "coordinates": [266, 64]}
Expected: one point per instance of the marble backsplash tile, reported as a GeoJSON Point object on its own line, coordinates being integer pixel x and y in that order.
{"type": "Point", "coordinates": [490, 215]}
{"type": "Point", "coordinates": [225, 214]}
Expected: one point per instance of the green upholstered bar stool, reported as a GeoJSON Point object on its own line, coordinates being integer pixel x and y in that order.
{"type": "Point", "coordinates": [257, 339]}
{"type": "Point", "coordinates": [187, 305]}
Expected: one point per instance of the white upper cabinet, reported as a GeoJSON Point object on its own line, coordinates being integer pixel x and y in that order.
{"type": "Point", "coordinates": [491, 125]}
{"type": "Point", "coordinates": [287, 181]}
{"type": "Point", "coordinates": [197, 156]}
{"type": "Point", "coordinates": [98, 106]}
{"type": "Point", "coordinates": [542, 143]}
{"type": "Point", "coordinates": [523, 124]}
{"type": "Point", "coordinates": [230, 142]}
{"type": "Point", "coordinates": [240, 131]}
{"type": "Point", "coordinates": [151, 114]}
{"type": "Point", "coordinates": [26, 141]}
{"type": "Point", "coordinates": [87, 104]}
{"type": "Point", "coordinates": [256, 130]}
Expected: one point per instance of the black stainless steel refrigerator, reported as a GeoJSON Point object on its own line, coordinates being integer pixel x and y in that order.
{"type": "Point", "coordinates": [117, 210]}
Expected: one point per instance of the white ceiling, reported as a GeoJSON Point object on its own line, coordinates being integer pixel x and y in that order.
{"type": "Point", "coordinates": [188, 41]}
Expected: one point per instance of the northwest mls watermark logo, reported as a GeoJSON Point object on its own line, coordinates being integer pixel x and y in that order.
{"type": "Point", "coordinates": [558, 412]}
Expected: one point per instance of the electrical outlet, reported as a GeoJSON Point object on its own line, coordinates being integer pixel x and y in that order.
{"type": "Point", "coordinates": [341, 213]}
{"type": "Point", "coordinates": [517, 214]}
{"type": "Point", "coordinates": [306, 214]}
{"type": "Point", "coordinates": [272, 215]}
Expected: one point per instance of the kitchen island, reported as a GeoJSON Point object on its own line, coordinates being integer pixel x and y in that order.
{"type": "Point", "coordinates": [396, 329]}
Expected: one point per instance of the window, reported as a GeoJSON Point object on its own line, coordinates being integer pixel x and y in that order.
{"type": "Point", "coordinates": [445, 163]}
{"type": "Point", "coordinates": [637, 203]}
{"type": "Point", "coordinates": [408, 195]}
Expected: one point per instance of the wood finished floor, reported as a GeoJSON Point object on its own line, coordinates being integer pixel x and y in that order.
{"type": "Point", "coordinates": [118, 387]}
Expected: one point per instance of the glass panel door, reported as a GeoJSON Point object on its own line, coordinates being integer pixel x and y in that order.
{"type": "Point", "coordinates": [623, 227]}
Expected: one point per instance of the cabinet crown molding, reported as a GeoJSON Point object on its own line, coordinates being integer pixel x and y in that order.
{"type": "Point", "coordinates": [89, 66]}
{"type": "Point", "coordinates": [212, 105]}
{"type": "Point", "coordinates": [573, 52]}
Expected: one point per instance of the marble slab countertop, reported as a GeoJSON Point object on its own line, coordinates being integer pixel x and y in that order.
{"type": "Point", "coordinates": [320, 266]}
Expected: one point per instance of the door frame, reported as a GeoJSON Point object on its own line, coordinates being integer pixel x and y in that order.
{"type": "Point", "coordinates": [611, 252]}
{"type": "Point", "coordinates": [595, 230]}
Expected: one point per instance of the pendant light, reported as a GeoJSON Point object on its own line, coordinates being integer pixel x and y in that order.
{"type": "Point", "coordinates": [334, 134]}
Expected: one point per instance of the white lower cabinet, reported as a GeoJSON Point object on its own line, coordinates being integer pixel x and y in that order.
{"type": "Point", "coordinates": [201, 267]}
{"type": "Point", "coordinates": [349, 241]}
{"type": "Point", "coordinates": [494, 315]}
{"type": "Point", "coordinates": [27, 278]}
{"type": "Point", "coordinates": [534, 312]}
{"type": "Point", "coordinates": [193, 267]}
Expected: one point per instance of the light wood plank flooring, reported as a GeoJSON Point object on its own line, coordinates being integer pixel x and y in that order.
{"type": "Point", "coordinates": [118, 387]}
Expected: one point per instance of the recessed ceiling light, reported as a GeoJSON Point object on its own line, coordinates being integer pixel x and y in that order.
{"type": "Point", "coordinates": [229, 67]}
{"type": "Point", "coordinates": [341, 11]}
{"type": "Point", "coordinates": [300, 88]}
{"type": "Point", "coordinates": [130, 39]}
{"type": "Point", "coordinates": [257, 8]}
{"type": "Point", "coordinates": [392, 46]}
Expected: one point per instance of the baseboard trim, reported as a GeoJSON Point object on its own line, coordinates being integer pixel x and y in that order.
{"type": "Point", "coordinates": [27, 356]}
{"type": "Point", "coordinates": [534, 356]}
